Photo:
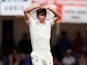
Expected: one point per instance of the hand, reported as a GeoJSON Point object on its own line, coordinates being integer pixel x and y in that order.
{"type": "Point", "coordinates": [46, 7]}
{"type": "Point", "coordinates": [42, 5]}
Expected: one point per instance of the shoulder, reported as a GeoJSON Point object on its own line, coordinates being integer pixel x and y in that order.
{"type": "Point", "coordinates": [30, 20]}
{"type": "Point", "coordinates": [51, 22]}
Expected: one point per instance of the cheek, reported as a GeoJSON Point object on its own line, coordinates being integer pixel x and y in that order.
{"type": "Point", "coordinates": [40, 17]}
{"type": "Point", "coordinates": [44, 17]}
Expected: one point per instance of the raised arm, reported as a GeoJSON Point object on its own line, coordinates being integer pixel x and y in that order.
{"type": "Point", "coordinates": [57, 15]}
{"type": "Point", "coordinates": [28, 10]}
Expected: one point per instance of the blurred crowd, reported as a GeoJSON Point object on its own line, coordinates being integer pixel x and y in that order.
{"type": "Point", "coordinates": [70, 52]}
{"type": "Point", "coordinates": [65, 52]}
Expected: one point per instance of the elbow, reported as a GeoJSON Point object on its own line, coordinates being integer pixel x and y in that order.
{"type": "Point", "coordinates": [59, 17]}
{"type": "Point", "coordinates": [24, 11]}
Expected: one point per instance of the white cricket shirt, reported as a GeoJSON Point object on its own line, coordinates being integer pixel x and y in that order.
{"type": "Point", "coordinates": [40, 33]}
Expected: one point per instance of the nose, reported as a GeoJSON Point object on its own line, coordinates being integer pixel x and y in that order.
{"type": "Point", "coordinates": [44, 17]}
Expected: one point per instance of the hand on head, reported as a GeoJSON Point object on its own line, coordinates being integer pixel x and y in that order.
{"type": "Point", "coordinates": [42, 5]}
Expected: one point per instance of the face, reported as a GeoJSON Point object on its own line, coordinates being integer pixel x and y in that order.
{"type": "Point", "coordinates": [41, 17]}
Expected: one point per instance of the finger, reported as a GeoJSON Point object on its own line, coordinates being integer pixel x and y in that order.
{"type": "Point", "coordinates": [43, 4]}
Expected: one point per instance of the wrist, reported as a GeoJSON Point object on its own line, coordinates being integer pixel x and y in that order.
{"type": "Point", "coordinates": [37, 6]}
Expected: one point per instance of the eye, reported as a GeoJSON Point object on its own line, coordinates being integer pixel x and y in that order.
{"type": "Point", "coordinates": [42, 15]}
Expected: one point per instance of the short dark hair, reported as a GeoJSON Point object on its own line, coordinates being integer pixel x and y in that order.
{"type": "Point", "coordinates": [42, 11]}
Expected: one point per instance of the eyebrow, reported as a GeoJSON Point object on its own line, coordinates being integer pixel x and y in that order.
{"type": "Point", "coordinates": [42, 14]}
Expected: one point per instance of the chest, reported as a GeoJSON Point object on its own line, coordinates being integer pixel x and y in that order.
{"type": "Point", "coordinates": [40, 26]}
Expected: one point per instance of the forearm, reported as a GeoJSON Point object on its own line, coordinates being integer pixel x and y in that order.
{"type": "Point", "coordinates": [31, 8]}
{"type": "Point", "coordinates": [54, 11]}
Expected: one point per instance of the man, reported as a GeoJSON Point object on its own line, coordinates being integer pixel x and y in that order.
{"type": "Point", "coordinates": [68, 58]}
{"type": "Point", "coordinates": [40, 32]}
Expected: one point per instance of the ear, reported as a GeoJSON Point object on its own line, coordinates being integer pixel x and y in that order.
{"type": "Point", "coordinates": [37, 16]}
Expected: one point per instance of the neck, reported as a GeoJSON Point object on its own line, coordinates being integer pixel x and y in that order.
{"type": "Point", "coordinates": [42, 22]}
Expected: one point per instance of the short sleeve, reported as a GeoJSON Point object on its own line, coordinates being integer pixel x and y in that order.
{"type": "Point", "coordinates": [51, 22]}
{"type": "Point", "coordinates": [29, 20]}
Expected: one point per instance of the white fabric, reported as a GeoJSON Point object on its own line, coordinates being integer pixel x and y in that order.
{"type": "Point", "coordinates": [41, 57]}
{"type": "Point", "coordinates": [40, 39]}
{"type": "Point", "coordinates": [40, 34]}
{"type": "Point", "coordinates": [69, 60]}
